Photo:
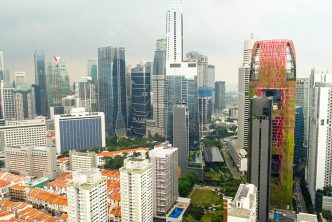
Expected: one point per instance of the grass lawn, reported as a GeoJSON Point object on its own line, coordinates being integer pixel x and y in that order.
{"type": "Point", "coordinates": [205, 198]}
{"type": "Point", "coordinates": [213, 176]}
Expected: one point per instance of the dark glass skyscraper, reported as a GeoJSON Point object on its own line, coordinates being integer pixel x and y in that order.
{"type": "Point", "coordinates": [140, 109]}
{"type": "Point", "coordinates": [112, 89]}
{"type": "Point", "coordinates": [220, 96]}
{"type": "Point", "coordinates": [299, 135]}
{"type": "Point", "coordinates": [40, 79]}
{"type": "Point", "coordinates": [260, 153]}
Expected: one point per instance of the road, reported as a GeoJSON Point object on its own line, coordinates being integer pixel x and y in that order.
{"type": "Point", "coordinates": [299, 195]}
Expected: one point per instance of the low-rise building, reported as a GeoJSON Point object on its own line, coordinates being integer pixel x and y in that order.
{"type": "Point", "coordinates": [63, 163]}
{"type": "Point", "coordinates": [238, 155]}
{"type": "Point", "coordinates": [4, 188]}
{"type": "Point", "coordinates": [303, 217]}
{"type": "Point", "coordinates": [101, 157]}
{"type": "Point", "coordinates": [82, 160]}
{"type": "Point", "coordinates": [18, 192]}
{"type": "Point", "coordinates": [57, 187]}
{"type": "Point", "coordinates": [50, 201]}
{"type": "Point", "coordinates": [327, 203]}
{"type": "Point", "coordinates": [243, 207]}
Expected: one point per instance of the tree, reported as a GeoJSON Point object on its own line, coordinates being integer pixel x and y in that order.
{"type": "Point", "coordinates": [188, 218]}
{"type": "Point", "coordinates": [115, 162]}
{"type": "Point", "coordinates": [192, 178]}
{"type": "Point", "coordinates": [184, 186]}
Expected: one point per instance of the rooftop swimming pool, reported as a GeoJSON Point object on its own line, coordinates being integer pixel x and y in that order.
{"type": "Point", "coordinates": [176, 212]}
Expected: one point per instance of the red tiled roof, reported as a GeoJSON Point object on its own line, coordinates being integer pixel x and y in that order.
{"type": "Point", "coordinates": [63, 159]}
{"type": "Point", "coordinates": [57, 183]}
{"type": "Point", "coordinates": [47, 197]}
{"type": "Point", "coordinates": [4, 183]}
{"type": "Point", "coordinates": [18, 187]}
{"type": "Point", "coordinates": [111, 173]}
{"type": "Point", "coordinates": [116, 211]}
{"type": "Point", "coordinates": [65, 176]}
{"type": "Point", "coordinates": [117, 152]}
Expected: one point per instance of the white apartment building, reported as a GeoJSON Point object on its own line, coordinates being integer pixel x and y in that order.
{"type": "Point", "coordinates": [164, 160]}
{"type": "Point", "coordinates": [243, 91]}
{"type": "Point", "coordinates": [243, 207]}
{"type": "Point", "coordinates": [23, 132]}
{"type": "Point", "coordinates": [239, 156]}
{"type": "Point", "coordinates": [31, 161]}
{"type": "Point", "coordinates": [87, 197]}
{"type": "Point", "coordinates": [320, 131]}
{"type": "Point", "coordinates": [136, 190]}
{"type": "Point", "coordinates": [82, 160]}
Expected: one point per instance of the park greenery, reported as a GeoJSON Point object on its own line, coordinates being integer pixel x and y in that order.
{"type": "Point", "coordinates": [113, 163]}
{"type": "Point", "coordinates": [186, 184]}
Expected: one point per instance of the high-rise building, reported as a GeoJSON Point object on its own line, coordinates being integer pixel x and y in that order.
{"type": "Point", "coordinates": [183, 90]}
{"type": "Point", "coordinates": [202, 67]}
{"type": "Point", "coordinates": [57, 82]}
{"type": "Point", "coordinates": [220, 102]}
{"type": "Point", "coordinates": [159, 61]}
{"type": "Point", "coordinates": [181, 75]}
{"type": "Point", "coordinates": [181, 134]}
{"type": "Point", "coordinates": [243, 207]}
{"type": "Point", "coordinates": [140, 109]}
{"type": "Point", "coordinates": [40, 80]}
{"type": "Point", "coordinates": [273, 74]}
{"type": "Point", "coordinates": [205, 110]}
{"type": "Point", "coordinates": [9, 111]}
{"type": "Point", "coordinates": [112, 89]}
{"type": "Point", "coordinates": [25, 102]}
{"type": "Point", "coordinates": [31, 161]}
{"type": "Point", "coordinates": [92, 69]}
{"type": "Point", "coordinates": [157, 125]}
{"type": "Point", "coordinates": [87, 197]}
{"type": "Point", "coordinates": [302, 99]}
{"type": "Point", "coordinates": [243, 93]}
{"type": "Point", "coordinates": [2, 67]}
{"type": "Point", "coordinates": [23, 132]}
{"type": "Point", "coordinates": [136, 190]}
{"type": "Point", "coordinates": [260, 153]}
{"type": "Point", "coordinates": [320, 131]}
{"type": "Point", "coordinates": [79, 130]}
{"type": "Point", "coordinates": [299, 151]}
{"type": "Point", "coordinates": [211, 79]}
{"type": "Point", "coordinates": [83, 161]}
{"type": "Point", "coordinates": [87, 94]}
{"type": "Point", "coordinates": [164, 159]}
{"type": "Point", "coordinates": [20, 78]}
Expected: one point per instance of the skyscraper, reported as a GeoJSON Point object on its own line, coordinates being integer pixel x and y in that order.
{"type": "Point", "coordinates": [243, 92]}
{"type": "Point", "coordinates": [320, 131]}
{"type": "Point", "coordinates": [260, 153]}
{"type": "Point", "coordinates": [181, 75]}
{"type": "Point", "coordinates": [273, 74]}
{"type": "Point", "coordinates": [112, 89]}
{"type": "Point", "coordinates": [220, 102]}
{"type": "Point", "coordinates": [24, 102]}
{"type": "Point", "coordinates": [20, 78]}
{"type": "Point", "coordinates": [202, 67]}
{"type": "Point", "coordinates": [211, 79]}
{"type": "Point", "coordinates": [92, 69]}
{"type": "Point", "coordinates": [164, 159]}
{"type": "Point", "coordinates": [299, 151]}
{"type": "Point", "coordinates": [302, 99]}
{"type": "Point", "coordinates": [2, 67]}
{"type": "Point", "coordinates": [87, 197]}
{"type": "Point", "coordinates": [181, 134]}
{"type": "Point", "coordinates": [87, 94]}
{"type": "Point", "coordinates": [57, 82]}
{"type": "Point", "coordinates": [140, 109]}
{"type": "Point", "coordinates": [40, 80]}
{"type": "Point", "coordinates": [136, 190]}
{"type": "Point", "coordinates": [205, 110]}
{"type": "Point", "coordinates": [157, 125]}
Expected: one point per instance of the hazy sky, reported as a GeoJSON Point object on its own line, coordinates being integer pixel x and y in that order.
{"type": "Point", "coordinates": [74, 29]}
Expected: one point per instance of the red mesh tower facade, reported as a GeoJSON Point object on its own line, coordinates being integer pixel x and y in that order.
{"type": "Point", "coordinates": [273, 74]}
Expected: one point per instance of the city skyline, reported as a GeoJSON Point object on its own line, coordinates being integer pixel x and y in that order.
{"type": "Point", "coordinates": [64, 35]}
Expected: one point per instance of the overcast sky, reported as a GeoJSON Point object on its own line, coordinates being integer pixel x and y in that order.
{"type": "Point", "coordinates": [74, 29]}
